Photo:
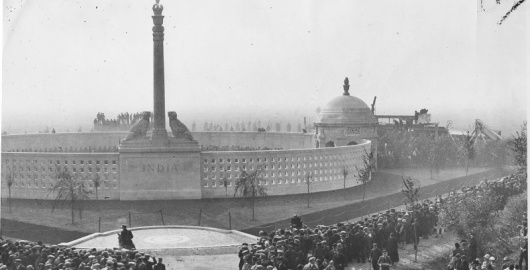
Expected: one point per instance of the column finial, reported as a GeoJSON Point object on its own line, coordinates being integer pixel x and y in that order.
{"type": "Point", "coordinates": [346, 87]}
{"type": "Point", "coordinates": [158, 8]}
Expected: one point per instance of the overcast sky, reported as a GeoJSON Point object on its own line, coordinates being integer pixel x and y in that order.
{"type": "Point", "coordinates": [230, 60]}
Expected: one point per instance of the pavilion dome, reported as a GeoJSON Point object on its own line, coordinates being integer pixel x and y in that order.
{"type": "Point", "coordinates": [346, 110]}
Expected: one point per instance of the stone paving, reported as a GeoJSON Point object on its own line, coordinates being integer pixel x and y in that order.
{"type": "Point", "coordinates": [168, 238]}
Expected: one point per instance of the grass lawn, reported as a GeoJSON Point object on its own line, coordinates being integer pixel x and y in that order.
{"type": "Point", "coordinates": [214, 211]}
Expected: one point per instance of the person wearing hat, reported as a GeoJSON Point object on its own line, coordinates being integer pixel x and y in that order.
{"type": "Point", "coordinates": [465, 263]}
{"type": "Point", "coordinates": [148, 261]}
{"type": "Point", "coordinates": [311, 265]}
{"type": "Point", "coordinates": [19, 265]}
{"type": "Point", "coordinates": [296, 222]}
{"type": "Point", "coordinates": [375, 253]}
{"type": "Point", "coordinates": [340, 260]}
{"type": "Point", "coordinates": [108, 265]}
{"type": "Point", "coordinates": [392, 246]}
{"type": "Point", "coordinates": [32, 257]}
{"type": "Point", "coordinates": [473, 246]}
{"type": "Point", "coordinates": [43, 256]}
{"type": "Point", "coordinates": [159, 265]}
{"type": "Point", "coordinates": [457, 250]}
{"type": "Point", "coordinates": [385, 262]}
{"type": "Point", "coordinates": [491, 263]}
{"type": "Point", "coordinates": [280, 264]}
{"type": "Point", "coordinates": [505, 263]}
{"type": "Point", "coordinates": [50, 260]}
{"type": "Point", "coordinates": [242, 252]}
{"type": "Point", "coordinates": [125, 238]}
{"type": "Point", "coordinates": [475, 265]}
{"type": "Point", "coordinates": [141, 263]}
{"type": "Point", "coordinates": [319, 252]}
{"type": "Point", "coordinates": [121, 266]}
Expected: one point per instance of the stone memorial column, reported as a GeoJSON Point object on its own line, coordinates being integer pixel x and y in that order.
{"type": "Point", "coordinates": [159, 131]}
{"type": "Point", "coordinates": [160, 167]}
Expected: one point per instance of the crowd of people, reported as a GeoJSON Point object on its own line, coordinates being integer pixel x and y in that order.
{"type": "Point", "coordinates": [251, 126]}
{"type": "Point", "coordinates": [465, 255]}
{"type": "Point", "coordinates": [90, 149]}
{"type": "Point", "coordinates": [234, 148]}
{"type": "Point", "coordinates": [375, 240]}
{"type": "Point", "coordinates": [22, 255]}
{"type": "Point", "coordinates": [125, 119]}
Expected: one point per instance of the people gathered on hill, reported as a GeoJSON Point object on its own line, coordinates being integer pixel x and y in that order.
{"type": "Point", "coordinates": [212, 148]}
{"type": "Point", "coordinates": [376, 239]}
{"type": "Point", "coordinates": [125, 118]}
{"type": "Point", "coordinates": [23, 255]}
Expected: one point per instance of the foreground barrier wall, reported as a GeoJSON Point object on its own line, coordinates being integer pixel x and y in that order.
{"type": "Point", "coordinates": [33, 173]}
{"type": "Point", "coordinates": [284, 171]}
{"type": "Point", "coordinates": [77, 142]}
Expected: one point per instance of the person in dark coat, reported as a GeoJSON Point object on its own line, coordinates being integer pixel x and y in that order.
{"type": "Point", "coordinates": [339, 258]}
{"type": "Point", "coordinates": [125, 238]}
{"type": "Point", "coordinates": [473, 247]}
{"type": "Point", "coordinates": [243, 251]}
{"type": "Point", "coordinates": [296, 222]}
{"type": "Point", "coordinates": [403, 230]}
{"type": "Point", "coordinates": [524, 254]}
{"type": "Point", "coordinates": [392, 248]}
{"type": "Point", "coordinates": [374, 256]}
{"type": "Point", "coordinates": [159, 265]}
{"type": "Point", "coordinates": [291, 255]}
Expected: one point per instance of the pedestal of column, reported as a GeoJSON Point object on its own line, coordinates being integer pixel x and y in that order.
{"type": "Point", "coordinates": [161, 173]}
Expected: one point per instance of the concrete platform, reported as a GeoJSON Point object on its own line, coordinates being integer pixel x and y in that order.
{"type": "Point", "coordinates": [177, 240]}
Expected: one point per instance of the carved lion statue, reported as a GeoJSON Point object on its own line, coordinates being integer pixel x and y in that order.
{"type": "Point", "coordinates": [139, 130]}
{"type": "Point", "coordinates": [180, 131]}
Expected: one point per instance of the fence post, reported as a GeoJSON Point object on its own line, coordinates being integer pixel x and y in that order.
{"type": "Point", "coordinates": [99, 225]}
{"type": "Point", "coordinates": [130, 219]}
{"type": "Point", "coordinates": [162, 217]}
{"type": "Point", "coordinates": [200, 216]}
{"type": "Point", "coordinates": [229, 221]}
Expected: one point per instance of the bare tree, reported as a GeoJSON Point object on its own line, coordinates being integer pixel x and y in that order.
{"type": "Point", "coordinates": [248, 185]}
{"type": "Point", "coordinates": [69, 189]}
{"type": "Point", "coordinates": [364, 173]}
{"type": "Point", "coordinates": [96, 180]}
{"type": "Point", "coordinates": [10, 180]}
{"type": "Point", "coordinates": [518, 146]}
{"type": "Point", "coordinates": [412, 195]}
{"type": "Point", "coordinates": [468, 150]}
{"type": "Point", "coordinates": [308, 180]}
{"type": "Point", "coordinates": [345, 173]}
{"type": "Point", "coordinates": [225, 183]}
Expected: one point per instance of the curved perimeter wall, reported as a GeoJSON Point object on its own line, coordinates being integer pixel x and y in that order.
{"type": "Point", "coordinates": [98, 141]}
{"type": "Point", "coordinates": [34, 173]}
{"type": "Point", "coordinates": [285, 171]}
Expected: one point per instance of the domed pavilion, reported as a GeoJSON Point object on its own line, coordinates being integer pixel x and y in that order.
{"type": "Point", "coordinates": [345, 120]}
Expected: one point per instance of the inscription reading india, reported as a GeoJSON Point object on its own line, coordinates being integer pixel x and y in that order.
{"type": "Point", "coordinates": [352, 131]}
{"type": "Point", "coordinates": [159, 168]}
